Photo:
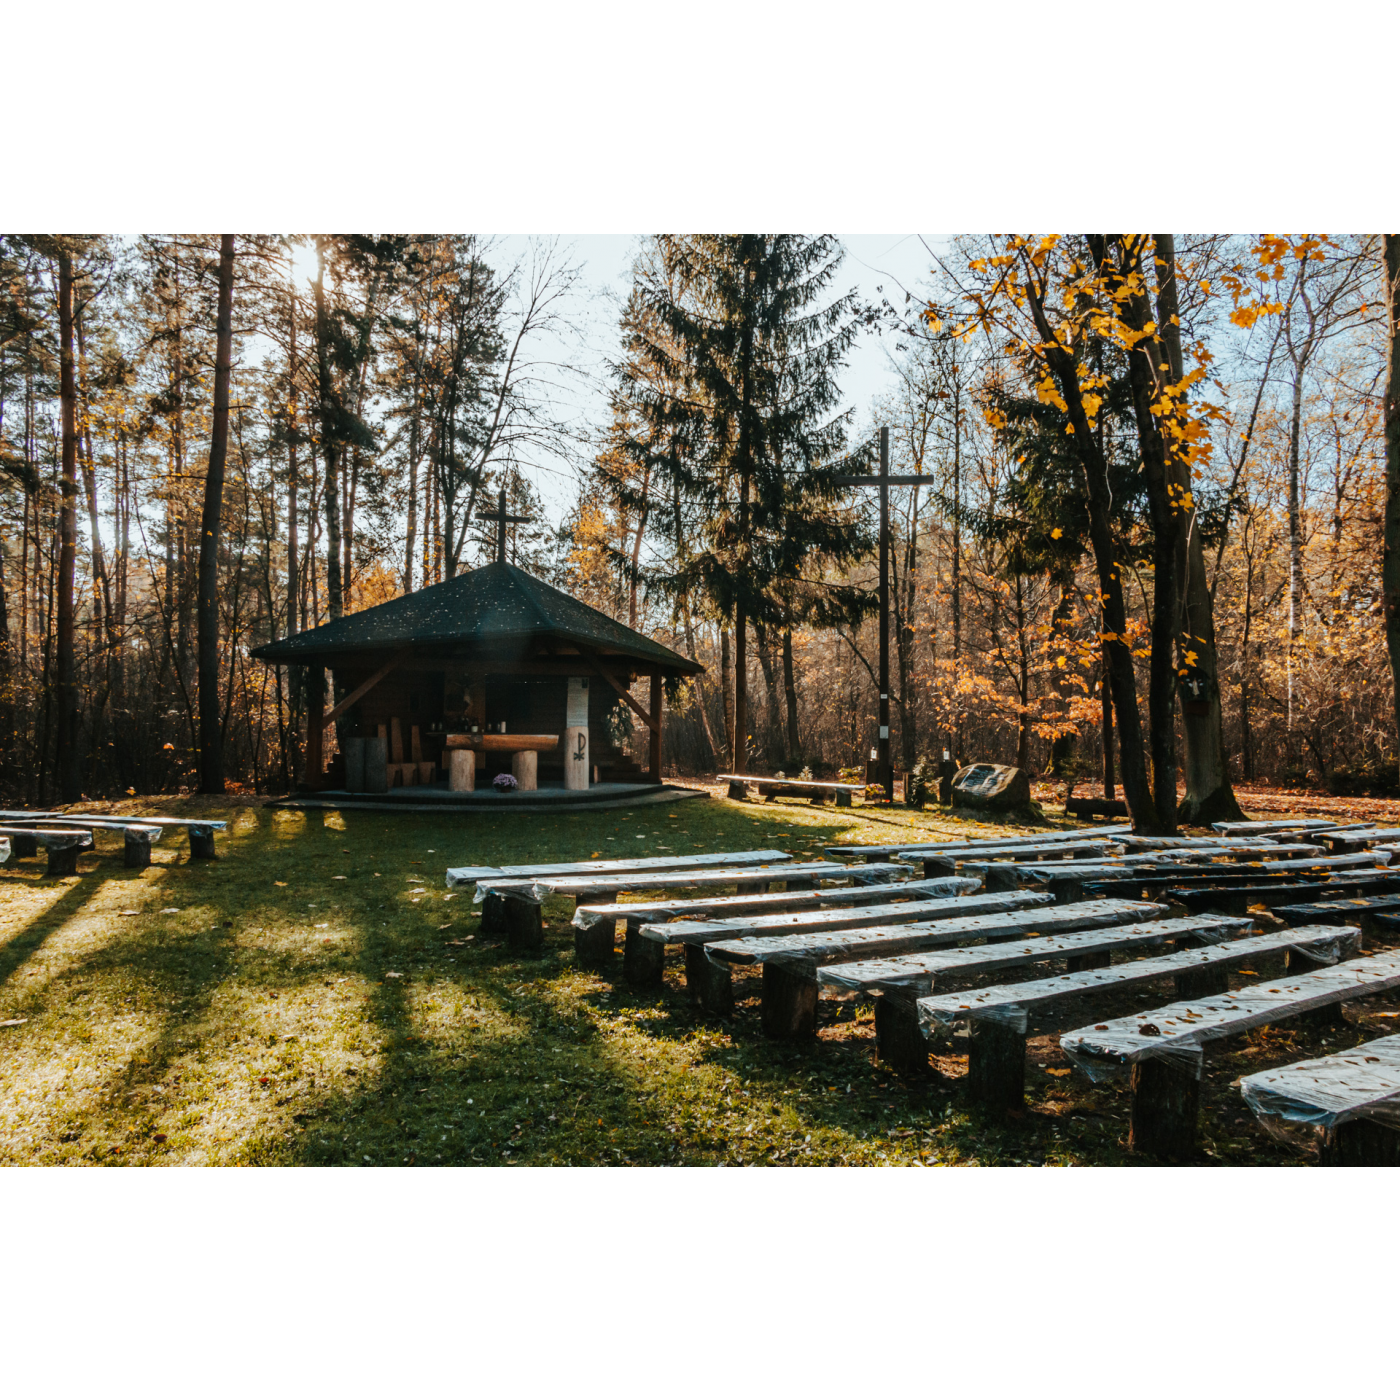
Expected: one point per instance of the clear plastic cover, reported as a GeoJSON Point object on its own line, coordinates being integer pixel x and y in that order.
{"type": "Point", "coordinates": [1319, 1095]}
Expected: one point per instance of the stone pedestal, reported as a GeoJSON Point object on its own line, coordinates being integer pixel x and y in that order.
{"type": "Point", "coordinates": [354, 765]}
{"type": "Point", "coordinates": [525, 767]}
{"type": "Point", "coordinates": [576, 761]}
{"type": "Point", "coordinates": [461, 770]}
{"type": "Point", "coordinates": [376, 765]}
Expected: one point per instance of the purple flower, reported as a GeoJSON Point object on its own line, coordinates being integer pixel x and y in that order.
{"type": "Point", "coordinates": [504, 782]}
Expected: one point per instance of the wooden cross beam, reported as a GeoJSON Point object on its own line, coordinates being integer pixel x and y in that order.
{"type": "Point", "coordinates": [362, 690]}
{"type": "Point", "coordinates": [594, 662]}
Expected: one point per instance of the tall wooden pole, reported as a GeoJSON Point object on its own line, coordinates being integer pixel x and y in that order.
{"type": "Point", "coordinates": [883, 762]}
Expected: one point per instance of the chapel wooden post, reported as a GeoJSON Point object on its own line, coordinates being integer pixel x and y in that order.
{"type": "Point", "coordinates": [654, 725]}
{"type": "Point", "coordinates": [315, 726]}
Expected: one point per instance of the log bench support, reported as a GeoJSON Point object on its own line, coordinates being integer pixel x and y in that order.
{"type": "Point", "coordinates": [1166, 1100]}
{"type": "Point", "coordinates": [1359, 1142]}
{"type": "Point", "coordinates": [517, 922]}
{"type": "Point", "coordinates": [593, 946]}
{"type": "Point", "coordinates": [1066, 889]}
{"type": "Point", "coordinates": [934, 866]}
{"type": "Point", "coordinates": [643, 962]}
{"type": "Point", "coordinates": [24, 845]}
{"type": "Point", "coordinates": [789, 1003]}
{"type": "Point", "coordinates": [711, 985]}
{"type": "Point", "coordinates": [1085, 961]}
{"type": "Point", "coordinates": [1000, 877]}
{"type": "Point", "coordinates": [899, 1043]}
{"type": "Point", "coordinates": [63, 858]}
{"type": "Point", "coordinates": [202, 843]}
{"type": "Point", "coordinates": [138, 847]}
{"type": "Point", "coordinates": [996, 1065]}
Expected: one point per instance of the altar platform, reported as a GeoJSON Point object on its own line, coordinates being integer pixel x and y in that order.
{"type": "Point", "coordinates": [436, 797]}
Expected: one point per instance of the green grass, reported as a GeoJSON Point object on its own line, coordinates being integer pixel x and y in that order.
{"type": "Point", "coordinates": [317, 996]}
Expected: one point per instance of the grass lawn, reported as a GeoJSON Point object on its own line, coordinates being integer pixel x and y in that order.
{"type": "Point", "coordinates": [317, 996]}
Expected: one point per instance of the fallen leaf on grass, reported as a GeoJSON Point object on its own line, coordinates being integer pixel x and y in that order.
{"type": "Point", "coordinates": [282, 884]}
{"type": "Point", "coordinates": [340, 877]}
{"type": "Point", "coordinates": [19, 1022]}
{"type": "Point", "coordinates": [393, 974]}
{"type": "Point", "coordinates": [1058, 1073]}
{"type": "Point", "coordinates": [443, 926]}
{"type": "Point", "coordinates": [169, 911]}
{"type": "Point", "coordinates": [130, 913]}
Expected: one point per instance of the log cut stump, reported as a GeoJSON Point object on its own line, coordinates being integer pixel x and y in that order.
{"type": "Point", "coordinates": [996, 1066]}
{"type": "Point", "coordinates": [789, 1003]}
{"type": "Point", "coordinates": [711, 985]}
{"type": "Point", "coordinates": [934, 866]}
{"type": "Point", "coordinates": [137, 855]}
{"type": "Point", "coordinates": [999, 878]}
{"type": "Point", "coordinates": [525, 768]}
{"type": "Point", "coordinates": [1361, 1143]}
{"type": "Point", "coordinates": [524, 921]}
{"type": "Point", "coordinates": [1166, 1100]}
{"type": "Point", "coordinates": [1208, 982]}
{"type": "Point", "coordinates": [1085, 961]}
{"type": "Point", "coordinates": [202, 843]}
{"type": "Point", "coordinates": [643, 962]}
{"type": "Point", "coordinates": [23, 845]}
{"type": "Point", "coordinates": [63, 860]}
{"type": "Point", "coordinates": [898, 1041]}
{"type": "Point", "coordinates": [1066, 889]}
{"type": "Point", "coordinates": [493, 916]}
{"type": "Point", "coordinates": [593, 947]}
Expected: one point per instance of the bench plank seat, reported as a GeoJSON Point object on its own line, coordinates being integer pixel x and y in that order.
{"type": "Point", "coordinates": [1357, 910]}
{"type": "Point", "coordinates": [752, 940]}
{"type": "Point", "coordinates": [914, 975]}
{"type": "Point", "coordinates": [1346, 839]}
{"type": "Point", "coordinates": [918, 850]}
{"type": "Point", "coordinates": [1342, 1097]}
{"type": "Point", "coordinates": [470, 874]}
{"type": "Point", "coordinates": [1283, 824]}
{"type": "Point", "coordinates": [737, 905]}
{"type": "Point", "coordinates": [581, 886]}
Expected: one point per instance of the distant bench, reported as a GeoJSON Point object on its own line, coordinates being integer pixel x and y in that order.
{"type": "Point", "coordinates": [138, 848]}
{"type": "Point", "coordinates": [62, 847]}
{"type": "Point", "coordinates": [945, 861]}
{"type": "Point", "coordinates": [919, 849]}
{"type": "Point", "coordinates": [1351, 1100]}
{"type": "Point", "coordinates": [793, 968]}
{"type": "Point", "coordinates": [1082, 807]}
{"type": "Point", "coordinates": [769, 788]}
{"type": "Point", "coordinates": [1239, 899]}
{"type": "Point", "coordinates": [711, 947]}
{"type": "Point", "coordinates": [999, 1017]}
{"type": "Point", "coordinates": [1164, 1049]}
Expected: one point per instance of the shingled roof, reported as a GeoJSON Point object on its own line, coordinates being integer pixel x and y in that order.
{"type": "Point", "coordinates": [498, 607]}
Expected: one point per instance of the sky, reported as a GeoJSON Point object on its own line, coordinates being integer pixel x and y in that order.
{"type": "Point", "coordinates": [875, 264]}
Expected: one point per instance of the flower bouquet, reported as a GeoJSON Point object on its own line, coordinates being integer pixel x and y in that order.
{"type": "Point", "coordinates": [504, 782]}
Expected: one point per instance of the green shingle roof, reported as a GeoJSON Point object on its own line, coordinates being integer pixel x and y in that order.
{"type": "Point", "coordinates": [497, 607]}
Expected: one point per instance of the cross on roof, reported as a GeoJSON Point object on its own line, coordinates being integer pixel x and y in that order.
{"type": "Point", "coordinates": [502, 520]}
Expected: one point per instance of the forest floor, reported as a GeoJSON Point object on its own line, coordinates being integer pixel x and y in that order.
{"type": "Point", "coordinates": [317, 996]}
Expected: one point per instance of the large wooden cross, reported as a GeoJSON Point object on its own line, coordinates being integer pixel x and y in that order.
{"type": "Point", "coordinates": [502, 520]}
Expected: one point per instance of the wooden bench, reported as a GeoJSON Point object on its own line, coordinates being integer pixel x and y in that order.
{"type": "Point", "coordinates": [794, 970]}
{"type": "Point", "coordinates": [749, 940]}
{"type": "Point", "coordinates": [597, 946]}
{"type": "Point", "coordinates": [61, 847]}
{"type": "Point", "coordinates": [999, 1017]}
{"type": "Point", "coordinates": [1082, 807]}
{"type": "Point", "coordinates": [917, 850]}
{"type": "Point", "coordinates": [463, 875]}
{"type": "Point", "coordinates": [1359, 910]}
{"type": "Point", "coordinates": [1165, 1049]}
{"type": "Point", "coordinates": [1350, 1101]}
{"type": "Point", "coordinates": [1349, 839]}
{"type": "Point", "coordinates": [521, 921]}
{"type": "Point", "coordinates": [1240, 899]}
{"type": "Point", "coordinates": [201, 832]}
{"type": "Point", "coordinates": [946, 861]}
{"type": "Point", "coordinates": [1283, 824]}
{"type": "Point", "coordinates": [769, 788]}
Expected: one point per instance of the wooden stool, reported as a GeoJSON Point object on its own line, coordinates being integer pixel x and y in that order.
{"type": "Point", "coordinates": [526, 768]}
{"type": "Point", "coordinates": [427, 770]}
